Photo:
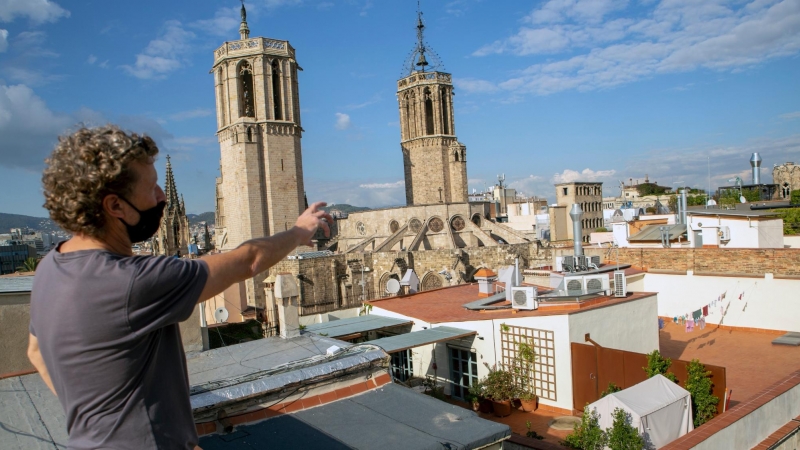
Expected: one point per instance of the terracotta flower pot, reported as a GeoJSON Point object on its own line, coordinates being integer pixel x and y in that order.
{"type": "Point", "coordinates": [530, 405]}
{"type": "Point", "coordinates": [485, 406]}
{"type": "Point", "coordinates": [501, 408]}
{"type": "Point", "coordinates": [476, 406]}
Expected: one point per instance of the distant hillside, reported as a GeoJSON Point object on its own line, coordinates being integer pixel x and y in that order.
{"type": "Point", "coordinates": [9, 221]}
{"type": "Point", "coordinates": [207, 217]}
{"type": "Point", "coordinates": [345, 208]}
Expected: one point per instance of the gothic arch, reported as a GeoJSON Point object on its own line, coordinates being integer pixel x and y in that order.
{"type": "Point", "coordinates": [431, 280]}
{"type": "Point", "coordinates": [426, 95]}
{"type": "Point", "coordinates": [244, 75]}
{"type": "Point", "coordinates": [455, 155]}
{"type": "Point", "coordinates": [275, 75]}
{"type": "Point", "coordinates": [385, 279]}
{"type": "Point", "coordinates": [477, 219]}
{"type": "Point", "coordinates": [249, 134]}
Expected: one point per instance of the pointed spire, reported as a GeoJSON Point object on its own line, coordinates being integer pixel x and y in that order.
{"type": "Point", "coordinates": [244, 32]}
{"type": "Point", "coordinates": [169, 189]}
{"type": "Point", "coordinates": [421, 62]}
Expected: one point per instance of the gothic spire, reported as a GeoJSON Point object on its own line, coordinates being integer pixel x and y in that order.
{"type": "Point", "coordinates": [244, 32]}
{"type": "Point", "coordinates": [169, 189]}
{"type": "Point", "coordinates": [422, 58]}
{"type": "Point", "coordinates": [421, 62]}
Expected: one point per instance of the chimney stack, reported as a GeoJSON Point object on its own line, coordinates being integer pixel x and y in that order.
{"type": "Point", "coordinates": [287, 296]}
{"type": "Point", "coordinates": [576, 213]}
{"type": "Point", "coordinates": [755, 164]}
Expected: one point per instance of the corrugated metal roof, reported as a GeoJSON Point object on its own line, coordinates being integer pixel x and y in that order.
{"type": "Point", "coordinates": [16, 284]}
{"type": "Point", "coordinates": [400, 342]}
{"type": "Point", "coordinates": [353, 325]}
{"type": "Point", "coordinates": [653, 233]}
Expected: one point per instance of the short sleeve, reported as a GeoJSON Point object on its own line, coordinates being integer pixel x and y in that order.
{"type": "Point", "coordinates": [164, 291]}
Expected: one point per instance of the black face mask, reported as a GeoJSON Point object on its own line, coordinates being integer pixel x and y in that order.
{"type": "Point", "coordinates": [149, 221]}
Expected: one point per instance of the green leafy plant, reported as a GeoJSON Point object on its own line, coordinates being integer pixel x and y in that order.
{"type": "Point", "coordinates": [530, 433]}
{"type": "Point", "coordinates": [505, 327]}
{"type": "Point", "coordinates": [302, 327]}
{"type": "Point", "coordinates": [365, 309]}
{"type": "Point", "coordinates": [658, 365]}
{"type": "Point", "coordinates": [795, 198]}
{"type": "Point", "coordinates": [587, 435]}
{"type": "Point", "coordinates": [698, 383]}
{"type": "Point", "coordinates": [601, 229]}
{"type": "Point", "coordinates": [498, 385]}
{"type": "Point", "coordinates": [475, 392]}
{"type": "Point", "coordinates": [523, 369]}
{"type": "Point", "coordinates": [622, 435]}
{"type": "Point", "coordinates": [610, 390]}
{"type": "Point", "coordinates": [29, 265]}
{"type": "Point", "coordinates": [433, 389]}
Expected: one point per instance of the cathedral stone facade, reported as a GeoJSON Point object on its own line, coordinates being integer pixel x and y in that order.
{"type": "Point", "coordinates": [172, 237]}
{"type": "Point", "coordinates": [260, 188]}
{"type": "Point", "coordinates": [787, 177]}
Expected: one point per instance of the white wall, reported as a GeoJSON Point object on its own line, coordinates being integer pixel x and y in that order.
{"type": "Point", "coordinates": [631, 326]}
{"type": "Point", "coordinates": [771, 303]}
{"type": "Point", "coordinates": [759, 233]}
{"type": "Point", "coordinates": [791, 241]}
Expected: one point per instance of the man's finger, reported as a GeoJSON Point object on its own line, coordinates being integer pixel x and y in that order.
{"type": "Point", "coordinates": [316, 206]}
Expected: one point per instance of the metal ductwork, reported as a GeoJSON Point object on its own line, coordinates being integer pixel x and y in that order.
{"type": "Point", "coordinates": [576, 213]}
{"type": "Point", "coordinates": [755, 164]}
{"type": "Point", "coordinates": [683, 207]}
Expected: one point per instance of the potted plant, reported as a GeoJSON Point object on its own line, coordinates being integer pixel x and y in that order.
{"type": "Point", "coordinates": [475, 395]}
{"type": "Point", "coordinates": [499, 387]}
{"type": "Point", "coordinates": [523, 368]}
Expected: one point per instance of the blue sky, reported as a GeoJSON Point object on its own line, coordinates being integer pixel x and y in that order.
{"type": "Point", "coordinates": [546, 91]}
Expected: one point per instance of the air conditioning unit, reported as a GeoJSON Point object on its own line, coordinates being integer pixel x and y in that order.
{"type": "Point", "coordinates": [724, 233]}
{"type": "Point", "coordinates": [620, 285]}
{"type": "Point", "coordinates": [573, 284]}
{"type": "Point", "coordinates": [596, 261]}
{"type": "Point", "coordinates": [581, 261]}
{"type": "Point", "coordinates": [596, 283]}
{"type": "Point", "coordinates": [524, 297]}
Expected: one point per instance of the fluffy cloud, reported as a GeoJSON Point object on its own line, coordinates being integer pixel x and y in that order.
{"type": "Point", "coordinates": [38, 11]}
{"type": "Point", "coordinates": [791, 115]}
{"type": "Point", "coordinates": [3, 40]}
{"type": "Point", "coordinates": [568, 176]}
{"type": "Point", "coordinates": [342, 121]}
{"type": "Point", "coordinates": [164, 54]}
{"type": "Point", "coordinates": [672, 36]}
{"type": "Point", "coordinates": [395, 185]}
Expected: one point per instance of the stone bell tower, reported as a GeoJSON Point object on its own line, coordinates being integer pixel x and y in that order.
{"type": "Point", "coordinates": [434, 161]}
{"type": "Point", "coordinates": [260, 188]}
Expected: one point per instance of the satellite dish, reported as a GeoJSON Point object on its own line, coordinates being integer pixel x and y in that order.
{"type": "Point", "coordinates": [392, 286]}
{"type": "Point", "coordinates": [712, 202]}
{"type": "Point", "coordinates": [742, 199]}
{"type": "Point", "coordinates": [221, 314]}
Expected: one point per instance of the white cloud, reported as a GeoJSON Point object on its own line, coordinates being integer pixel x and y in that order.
{"type": "Point", "coordinates": [395, 185]}
{"type": "Point", "coordinates": [38, 11]}
{"type": "Point", "coordinates": [91, 59]}
{"type": "Point", "coordinates": [191, 114]}
{"type": "Point", "coordinates": [672, 36]}
{"type": "Point", "coordinates": [342, 121]}
{"type": "Point", "coordinates": [473, 85]}
{"type": "Point", "coordinates": [3, 40]}
{"type": "Point", "coordinates": [225, 21]}
{"type": "Point", "coordinates": [569, 176]}
{"type": "Point", "coordinates": [791, 115]}
{"type": "Point", "coordinates": [163, 55]}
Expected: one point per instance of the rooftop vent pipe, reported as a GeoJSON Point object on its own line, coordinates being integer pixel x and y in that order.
{"type": "Point", "coordinates": [576, 213]}
{"type": "Point", "coordinates": [683, 206]}
{"type": "Point", "coordinates": [755, 164]}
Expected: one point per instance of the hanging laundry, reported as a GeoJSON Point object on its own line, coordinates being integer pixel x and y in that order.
{"type": "Point", "coordinates": [721, 310]}
{"type": "Point", "coordinates": [689, 326]}
{"type": "Point", "coordinates": [740, 295]}
{"type": "Point", "coordinates": [723, 295]}
{"type": "Point", "coordinates": [745, 306]}
{"type": "Point", "coordinates": [675, 319]}
{"type": "Point", "coordinates": [697, 315]}
{"type": "Point", "coordinates": [705, 311]}
{"type": "Point", "coordinates": [702, 323]}
{"type": "Point", "coordinates": [660, 323]}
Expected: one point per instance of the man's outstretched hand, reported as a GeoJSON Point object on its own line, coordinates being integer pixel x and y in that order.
{"type": "Point", "coordinates": [312, 219]}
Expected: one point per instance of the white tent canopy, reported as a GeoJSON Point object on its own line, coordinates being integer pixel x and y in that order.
{"type": "Point", "coordinates": [660, 409]}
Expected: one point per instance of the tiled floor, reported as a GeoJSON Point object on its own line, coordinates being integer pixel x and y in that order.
{"type": "Point", "coordinates": [539, 422]}
{"type": "Point", "coordinates": [751, 361]}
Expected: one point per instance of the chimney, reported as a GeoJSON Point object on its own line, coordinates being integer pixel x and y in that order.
{"type": "Point", "coordinates": [287, 296]}
{"type": "Point", "coordinates": [755, 165]}
{"type": "Point", "coordinates": [486, 279]}
{"type": "Point", "coordinates": [683, 207]}
{"type": "Point", "coordinates": [577, 229]}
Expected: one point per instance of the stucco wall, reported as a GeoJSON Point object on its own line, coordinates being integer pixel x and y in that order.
{"type": "Point", "coordinates": [770, 303]}
{"type": "Point", "coordinates": [759, 233]}
{"type": "Point", "coordinates": [631, 326]}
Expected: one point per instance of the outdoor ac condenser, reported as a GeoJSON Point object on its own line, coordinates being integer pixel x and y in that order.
{"type": "Point", "coordinates": [620, 284]}
{"type": "Point", "coordinates": [724, 233]}
{"type": "Point", "coordinates": [573, 284]}
{"type": "Point", "coordinates": [524, 297]}
{"type": "Point", "coordinates": [595, 282]}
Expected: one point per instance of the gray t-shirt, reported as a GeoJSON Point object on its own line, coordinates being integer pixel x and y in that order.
{"type": "Point", "coordinates": [107, 327]}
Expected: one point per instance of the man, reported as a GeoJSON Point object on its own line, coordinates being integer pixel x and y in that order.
{"type": "Point", "coordinates": [104, 324]}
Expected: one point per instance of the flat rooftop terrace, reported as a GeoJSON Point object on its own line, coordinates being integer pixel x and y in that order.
{"type": "Point", "coordinates": [751, 361]}
{"type": "Point", "coordinates": [447, 305]}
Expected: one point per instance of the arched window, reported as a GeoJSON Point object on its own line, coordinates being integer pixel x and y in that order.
{"type": "Point", "coordinates": [455, 155]}
{"type": "Point", "coordinates": [463, 155]}
{"type": "Point", "coordinates": [246, 102]}
{"type": "Point", "coordinates": [445, 112]}
{"type": "Point", "coordinates": [428, 111]}
{"type": "Point", "coordinates": [221, 98]}
{"type": "Point", "coordinates": [406, 118]}
{"type": "Point", "coordinates": [249, 134]}
{"type": "Point", "coordinates": [276, 90]}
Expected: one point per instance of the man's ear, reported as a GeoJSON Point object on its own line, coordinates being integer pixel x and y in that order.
{"type": "Point", "coordinates": [112, 205]}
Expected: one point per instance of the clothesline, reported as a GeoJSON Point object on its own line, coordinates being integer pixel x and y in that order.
{"type": "Point", "coordinates": [698, 316]}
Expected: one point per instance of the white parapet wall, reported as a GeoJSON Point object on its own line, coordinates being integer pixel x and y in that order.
{"type": "Point", "coordinates": [766, 303]}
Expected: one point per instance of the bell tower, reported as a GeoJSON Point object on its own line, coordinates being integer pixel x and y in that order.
{"type": "Point", "coordinates": [435, 163]}
{"type": "Point", "coordinates": [260, 188]}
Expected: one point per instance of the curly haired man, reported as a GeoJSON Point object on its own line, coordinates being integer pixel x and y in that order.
{"type": "Point", "coordinates": [104, 323]}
